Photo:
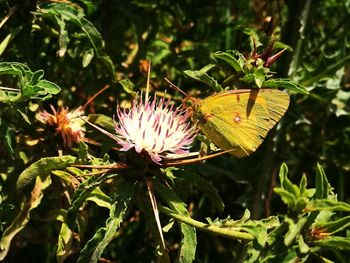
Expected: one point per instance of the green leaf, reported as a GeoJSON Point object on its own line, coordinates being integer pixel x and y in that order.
{"type": "Point", "coordinates": [322, 186]}
{"type": "Point", "coordinates": [327, 204]}
{"type": "Point", "coordinates": [287, 197]}
{"type": "Point", "coordinates": [19, 222]}
{"type": "Point", "coordinates": [87, 57]}
{"type": "Point", "coordinates": [127, 85]}
{"type": "Point", "coordinates": [31, 84]}
{"type": "Point", "coordinates": [189, 241]}
{"type": "Point", "coordinates": [95, 246]}
{"type": "Point", "coordinates": [81, 195]}
{"type": "Point", "coordinates": [7, 136]}
{"type": "Point", "coordinates": [334, 242]}
{"type": "Point", "coordinates": [4, 44]}
{"type": "Point", "coordinates": [65, 241]}
{"type": "Point", "coordinates": [294, 230]}
{"type": "Point", "coordinates": [335, 226]}
{"type": "Point", "coordinates": [83, 151]}
{"type": "Point", "coordinates": [100, 198]}
{"type": "Point", "coordinates": [104, 121]}
{"type": "Point", "coordinates": [235, 59]}
{"type": "Point", "coordinates": [285, 84]}
{"type": "Point", "coordinates": [204, 78]}
{"type": "Point", "coordinates": [303, 247]}
{"type": "Point", "coordinates": [43, 167]}
{"type": "Point", "coordinates": [65, 14]}
{"type": "Point", "coordinates": [286, 183]}
{"type": "Point", "coordinates": [260, 76]}
{"type": "Point", "coordinates": [257, 230]}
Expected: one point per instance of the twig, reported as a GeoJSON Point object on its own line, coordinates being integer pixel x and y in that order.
{"type": "Point", "coordinates": [7, 17]}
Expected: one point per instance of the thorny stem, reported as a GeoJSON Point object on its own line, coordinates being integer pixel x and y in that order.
{"type": "Point", "coordinates": [228, 232]}
{"type": "Point", "coordinates": [152, 197]}
{"type": "Point", "coordinates": [104, 166]}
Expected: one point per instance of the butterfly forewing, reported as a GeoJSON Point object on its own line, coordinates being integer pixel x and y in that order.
{"type": "Point", "coordinates": [241, 119]}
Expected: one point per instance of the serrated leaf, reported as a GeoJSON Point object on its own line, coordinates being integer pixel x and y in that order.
{"type": "Point", "coordinates": [43, 167]}
{"type": "Point", "coordinates": [95, 246]}
{"type": "Point", "coordinates": [31, 84]}
{"type": "Point", "coordinates": [189, 240]}
{"type": "Point", "coordinates": [19, 222]}
{"type": "Point", "coordinates": [74, 16]}
{"type": "Point", "coordinates": [81, 195]}
{"type": "Point", "coordinates": [204, 78]}
{"type": "Point", "coordinates": [285, 84]}
{"type": "Point", "coordinates": [257, 231]}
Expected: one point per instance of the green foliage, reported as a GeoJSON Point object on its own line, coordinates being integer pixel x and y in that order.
{"type": "Point", "coordinates": [30, 85]}
{"type": "Point", "coordinates": [90, 203]}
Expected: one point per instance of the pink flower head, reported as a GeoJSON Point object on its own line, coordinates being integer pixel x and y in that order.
{"type": "Point", "coordinates": [154, 127]}
{"type": "Point", "coordinates": [66, 122]}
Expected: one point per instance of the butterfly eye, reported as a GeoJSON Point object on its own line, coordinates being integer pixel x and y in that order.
{"type": "Point", "coordinates": [188, 102]}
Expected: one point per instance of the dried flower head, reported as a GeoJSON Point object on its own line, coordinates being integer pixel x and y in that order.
{"type": "Point", "coordinates": [66, 122]}
{"type": "Point", "coordinates": [154, 127]}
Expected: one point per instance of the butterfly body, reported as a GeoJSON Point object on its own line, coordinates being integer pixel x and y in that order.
{"type": "Point", "coordinates": [239, 119]}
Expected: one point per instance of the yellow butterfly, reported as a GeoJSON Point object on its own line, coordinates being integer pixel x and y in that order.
{"type": "Point", "coordinates": [239, 120]}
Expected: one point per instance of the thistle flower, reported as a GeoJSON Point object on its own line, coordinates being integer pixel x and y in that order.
{"type": "Point", "coordinates": [154, 127]}
{"type": "Point", "coordinates": [68, 123]}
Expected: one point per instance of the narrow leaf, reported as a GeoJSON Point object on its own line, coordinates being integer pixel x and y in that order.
{"type": "Point", "coordinates": [285, 84]}
{"type": "Point", "coordinates": [43, 167]}
{"type": "Point", "coordinates": [189, 240]}
{"type": "Point", "coordinates": [96, 245]}
{"type": "Point", "coordinates": [41, 183]}
{"type": "Point", "coordinates": [81, 195]}
{"type": "Point", "coordinates": [322, 186]}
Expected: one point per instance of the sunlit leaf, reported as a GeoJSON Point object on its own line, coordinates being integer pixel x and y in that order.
{"type": "Point", "coordinates": [204, 78]}
{"type": "Point", "coordinates": [95, 246]}
{"type": "Point", "coordinates": [189, 240]}
{"type": "Point", "coordinates": [43, 167]}
{"type": "Point", "coordinates": [41, 183]}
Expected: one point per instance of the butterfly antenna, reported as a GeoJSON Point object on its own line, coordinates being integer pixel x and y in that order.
{"type": "Point", "coordinates": [195, 160]}
{"type": "Point", "coordinates": [175, 87]}
{"type": "Point", "coordinates": [93, 97]}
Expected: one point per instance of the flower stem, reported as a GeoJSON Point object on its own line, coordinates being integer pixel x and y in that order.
{"type": "Point", "coordinates": [225, 232]}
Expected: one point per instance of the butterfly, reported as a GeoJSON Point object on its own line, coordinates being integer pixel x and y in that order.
{"type": "Point", "coordinates": [238, 120]}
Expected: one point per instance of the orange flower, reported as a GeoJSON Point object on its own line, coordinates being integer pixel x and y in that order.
{"type": "Point", "coordinates": [68, 123]}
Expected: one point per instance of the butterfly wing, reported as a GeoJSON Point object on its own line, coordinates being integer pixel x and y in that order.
{"type": "Point", "coordinates": [241, 119]}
